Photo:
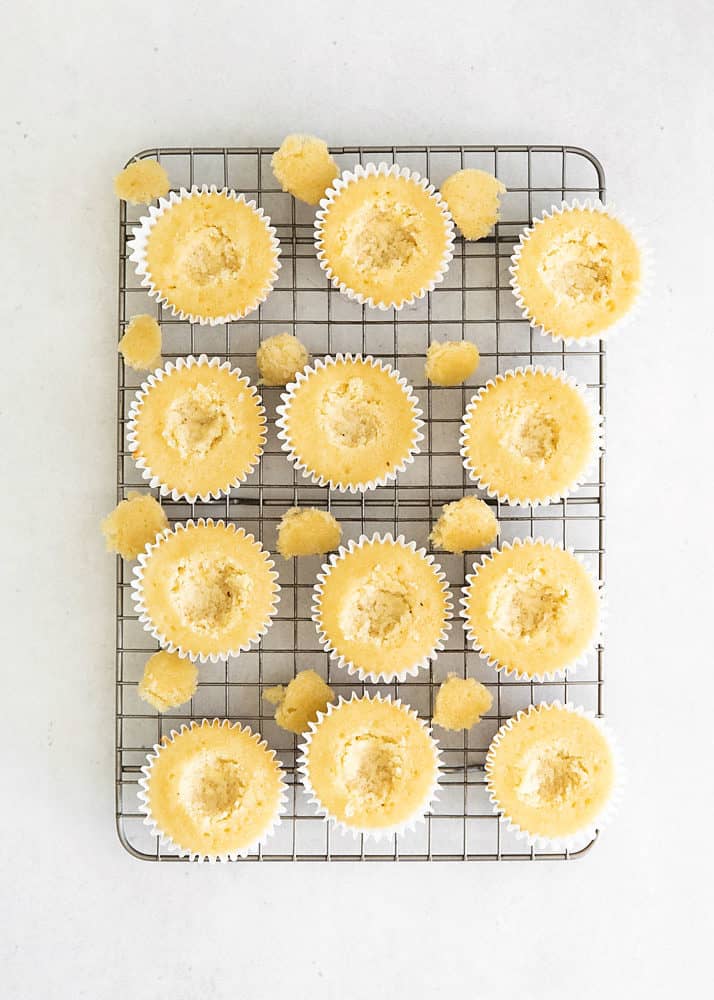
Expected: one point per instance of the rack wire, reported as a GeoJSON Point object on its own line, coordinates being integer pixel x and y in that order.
{"type": "Point", "coordinates": [475, 302]}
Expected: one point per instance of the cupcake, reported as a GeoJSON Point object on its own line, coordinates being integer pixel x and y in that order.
{"type": "Point", "coordinates": [206, 590]}
{"type": "Point", "coordinates": [370, 766]}
{"type": "Point", "coordinates": [530, 436]}
{"type": "Point", "coordinates": [350, 423]}
{"type": "Point", "coordinates": [213, 791]}
{"type": "Point", "coordinates": [210, 255]}
{"type": "Point", "coordinates": [577, 272]}
{"type": "Point", "coordinates": [196, 429]}
{"type": "Point", "coordinates": [553, 773]}
{"type": "Point", "coordinates": [532, 609]}
{"type": "Point", "coordinates": [383, 235]}
{"type": "Point", "coordinates": [382, 608]}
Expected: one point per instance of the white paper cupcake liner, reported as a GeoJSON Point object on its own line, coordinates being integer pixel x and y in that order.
{"type": "Point", "coordinates": [370, 833]}
{"type": "Point", "coordinates": [171, 845]}
{"type": "Point", "coordinates": [345, 552]}
{"type": "Point", "coordinates": [140, 237]}
{"type": "Point", "coordinates": [588, 469]}
{"type": "Point", "coordinates": [577, 841]}
{"type": "Point", "coordinates": [646, 276]}
{"type": "Point", "coordinates": [372, 170]}
{"type": "Point", "coordinates": [137, 594]}
{"type": "Point", "coordinates": [316, 477]}
{"type": "Point", "coordinates": [135, 409]}
{"type": "Point", "coordinates": [507, 669]}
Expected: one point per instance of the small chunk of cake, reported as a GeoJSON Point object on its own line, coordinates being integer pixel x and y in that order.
{"type": "Point", "coordinates": [141, 344]}
{"type": "Point", "coordinates": [141, 182]}
{"type": "Point", "coordinates": [473, 197]}
{"type": "Point", "coordinates": [280, 358]}
{"type": "Point", "coordinates": [304, 167]}
{"type": "Point", "coordinates": [168, 681]}
{"type": "Point", "coordinates": [134, 523]}
{"type": "Point", "coordinates": [307, 532]}
{"type": "Point", "coordinates": [460, 703]}
{"type": "Point", "coordinates": [297, 704]}
{"type": "Point", "coordinates": [465, 524]}
{"type": "Point", "coordinates": [452, 362]}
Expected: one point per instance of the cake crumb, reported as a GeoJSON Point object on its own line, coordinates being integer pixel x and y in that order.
{"type": "Point", "coordinates": [465, 524]}
{"type": "Point", "coordinates": [473, 197]}
{"type": "Point", "coordinates": [460, 703]}
{"type": "Point", "coordinates": [141, 344]}
{"type": "Point", "coordinates": [307, 532]}
{"type": "Point", "coordinates": [297, 704]}
{"type": "Point", "coordinates": [452, 362]}
{"type": "Point", "coordinates": [304, 167]}
{"type": "Point", "coordinates": [280, 358]}
{"type": "Point", "coordinates": [168, 681]}
{"type": "Point", "coordinates": [141, 182]}
{"type": "Point", "coordinates": [134, 523]}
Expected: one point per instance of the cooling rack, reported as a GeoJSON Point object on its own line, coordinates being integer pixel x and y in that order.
{"type": "Point", "coordinates": [475, 302]}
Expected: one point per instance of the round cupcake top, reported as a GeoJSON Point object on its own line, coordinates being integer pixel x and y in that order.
{"type": "Point", "coordinates": [197, 428]}
{"type": "Point", "coordinates": [577, 272]}
{"type": "Point", "coordinates": [529, 437]}
{"type": "Point", "coordinates": [350, 422]}
{"type": "Point", "coordinates": [213, 790]}
{"type": "Point", "coordinates": [551, 772]}
{"type": "Point", "coordinates": [168, 681]}
{"type": "Point", "coordinates": [209, 254]}
{"type": "Point", "coordinates": [384, 236]}
{"type": "Point", "coordinates": [382, 607]}
{"type": "Point", "coordinates": [370, 764]}
{"type": "Point", "coordinates": [473, 197]}
{"type": "Point", "coordinates": [532, 609]}
{"type": "Point", "coordinates": [206, 589]}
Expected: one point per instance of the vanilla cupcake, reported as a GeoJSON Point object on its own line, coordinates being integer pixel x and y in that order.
{"type": "Point", "coordinates": [553, 773]}
{"type": "Point", "coordinates": [213, 791]}
{"type": "Point", "coordinates": [533, 609]}
{"type": "Point", "coordinates": [370, 766]}
{"type": "Point", "coordinates": [196, 429]}
{"type": "Point", "coordinates": [577, 272]}
{"type": "Point", "coordinates": [382, 608]}
{"type": "Point", "coordinates": [350, 423]}
{"type": "Point", "coordinates": [530, 436]}
{"type": "Point", "coordinates": [206, 590]}
{"type": "Point", "coordinates": [384, 236]}
{"type": "Point", "coordinates": [210, 255]}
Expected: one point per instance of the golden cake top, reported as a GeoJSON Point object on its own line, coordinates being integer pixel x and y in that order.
{"type": "Point", "coordinates": [532, 608]}
{"type": "Point", "coordinates": [460, 703]}
{"type": "Point", "coordinates": [473, 197]}
{"type": "Point", "coordinates": [141, 182]}
{"type": "Point", "coordinates": [304, 167]}
{"type": "Point", "coordinates": [297, 704]}
{"type": "Point", "coordinates": [141, 344]}
{"type": "Point", "coordinates": [350, 422]}
{"type": "Point", "coordinates": [451, 362]}
{"type": "Point", "coordinates": [306, 531]}
{"type": "Point", "coordinates": [168, 681]}
{"type": "Point", "coordinates": [211, 255]}
{"type": "Point", "coordinates": [384, 237]}
{"type": "Point", "coordinates": [382, 607]}
{"type": "Point", "coordinates": [207, 589]}
{"type": "Point", "coordinates": [134, 523]}
{"type": "Point", "coordinates": [280, 358]}
{"type": "Point", "coordinates": [371, 764]}
{"type": "Point", "coordinates": [551, 771]}
{"type": "Point", "coordinates": [468, 523]}
{"type": "Point", "coordinates": [529, 437]}
{"type": "Point", "coordinates": [197, 427]}
{"type": "Point", "coordinates": [214, 789]}
{"type": "Point", "coordinates": [577, 272]}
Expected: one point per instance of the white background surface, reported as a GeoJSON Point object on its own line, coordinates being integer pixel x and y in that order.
{"type": "Point", "coordinates": [81, 91]}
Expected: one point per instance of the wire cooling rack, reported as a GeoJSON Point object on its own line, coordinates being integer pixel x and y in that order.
{"type": "Point", "coordinates": [475, 302]}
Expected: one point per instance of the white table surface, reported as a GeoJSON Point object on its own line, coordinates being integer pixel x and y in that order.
{"type": "Point", "coordinates": [81, 90]}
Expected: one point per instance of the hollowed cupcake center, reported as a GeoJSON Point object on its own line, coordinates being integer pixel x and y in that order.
{"type": "Point", "coordinates": [350, 418]}
{"type": "Point", "coordinates": [211, 786]}
{"type": "Point", "coordinates": [208, 256]}
{"type": "Point", "coordinates": [578, 267]}
{"type": "Point", "coordinates": [381, 236]}
{"type": "Point", "coordinates": [210, 593]}
{"type": "Point", "coordinates": [552, 776]}
{"type": "Point", "coordinates": [528, 430]}
{"type": "Point", "coordinates": [521, 605]}
{"type": "Point", "coordinates": [378, 610]}
{"type": "Point", "coordinates": [196, 420]}
{"type": "Point", "coordinates": [370, 767]}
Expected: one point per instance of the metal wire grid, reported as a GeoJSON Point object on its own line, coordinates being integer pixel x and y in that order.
{"type": "Point", "coordinates": [475, 302]}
